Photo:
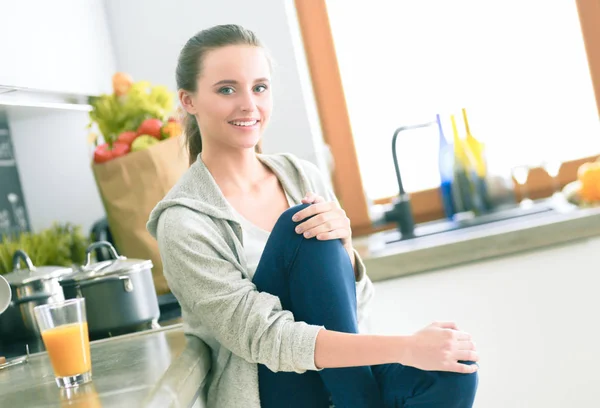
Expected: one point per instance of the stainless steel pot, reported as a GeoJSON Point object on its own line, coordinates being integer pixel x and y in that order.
{"type": "Point", "coordinates": [30, 287]}
{"type": "Point", "coordinates": [5, 294]}
{"type": "Point", "coordinates": [119, 293]}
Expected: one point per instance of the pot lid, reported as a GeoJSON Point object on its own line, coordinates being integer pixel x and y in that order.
{"type": "Point", "coordinates": [22, 276]}
{"type": "Point", "coordinates": [118, 265]}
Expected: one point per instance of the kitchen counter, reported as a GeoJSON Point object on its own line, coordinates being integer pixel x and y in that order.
{"type": "Point", "coordinates": [388, 261]}
{"type": "Point", "coordinates": [155, 368]}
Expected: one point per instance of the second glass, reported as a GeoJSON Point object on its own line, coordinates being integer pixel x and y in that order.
{"type": "Point", "coordinates": [65, 334]}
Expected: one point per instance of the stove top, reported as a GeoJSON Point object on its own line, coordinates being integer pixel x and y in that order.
{"type": "Point", "coordinates": [16, 348]}
{"type": "Point", "coordinates": [170, 313]}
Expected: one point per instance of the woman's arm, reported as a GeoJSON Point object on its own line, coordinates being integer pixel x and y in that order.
{"type": "Point", "coordinates": [253, 325]}
{"type": "Point", "coordinates": [204, 274]}
{"type": "Point", "coordinates": [438, 347]}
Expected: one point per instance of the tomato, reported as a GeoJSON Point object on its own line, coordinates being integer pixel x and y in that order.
{"type": "Point", "coordinates": [127, 137]}
{"type": "Point", "coordinates": [103, 153]}
{"type": "Point", "coordinates": [150, 127]}
{"type": "Point", "coordinates": [120, 149]}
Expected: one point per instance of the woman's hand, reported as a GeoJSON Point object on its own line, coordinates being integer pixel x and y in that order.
{"type": "Point", "coordinates": [440, 347]}
{"type": "Point", "coordinates": [329, 222]}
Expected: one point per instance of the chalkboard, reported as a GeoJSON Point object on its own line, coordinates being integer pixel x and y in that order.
{"type": "Point", "coordinates": [13, 211]}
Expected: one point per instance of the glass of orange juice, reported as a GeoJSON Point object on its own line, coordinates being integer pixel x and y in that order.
{"type": "Point", "coordinates": [65, 334]}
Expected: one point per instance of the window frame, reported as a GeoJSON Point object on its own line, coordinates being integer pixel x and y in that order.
{"type": "Point", "coordinates": [327, 85]}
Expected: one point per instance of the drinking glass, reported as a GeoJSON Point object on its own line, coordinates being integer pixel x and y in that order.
{"type": "Point", "coordinates": [521, 174]}
{"type": "Point", "coordinates": [552, 167]}
{"type": "Point", "coordinates": [65, 334]}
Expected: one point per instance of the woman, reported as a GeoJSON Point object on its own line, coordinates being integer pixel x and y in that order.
{"type": "Point", "coordinates": [259, 254]}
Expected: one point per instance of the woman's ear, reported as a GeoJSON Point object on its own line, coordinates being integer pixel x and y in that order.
{"type": "Point", "coordinates": [187, 101]}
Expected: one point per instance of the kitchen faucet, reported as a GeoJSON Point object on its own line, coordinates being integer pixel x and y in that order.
{"type": "Point", "coordinates": [402, 214]}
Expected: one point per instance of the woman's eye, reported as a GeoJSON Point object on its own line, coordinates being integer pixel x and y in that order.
{"type": "Point", "coordinates": [260, 88]}
{"type": "Point", "coordinates": [226, 90]}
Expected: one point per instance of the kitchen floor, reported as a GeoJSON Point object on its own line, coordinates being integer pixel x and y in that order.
{"type": "Point", "coordinates": [533, 316]}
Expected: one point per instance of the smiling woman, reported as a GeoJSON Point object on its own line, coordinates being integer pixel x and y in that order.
{"type": "Point", "coordinates": [259, 254]}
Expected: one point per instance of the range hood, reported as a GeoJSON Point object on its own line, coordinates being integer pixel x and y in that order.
{"type": "Point", "coordinates": [27, 97]}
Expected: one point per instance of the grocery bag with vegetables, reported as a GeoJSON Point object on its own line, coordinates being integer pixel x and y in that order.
{"type": "Point", "coordinates": [138, 156]}
{"type": "Point", "coordinates": [135, 116]}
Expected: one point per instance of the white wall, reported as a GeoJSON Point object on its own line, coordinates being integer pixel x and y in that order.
{"type": "Point", "coordinates": [533, 316]}
{"type": "Point", "coordinates": [148, 36]}
{"type": "Point", "coordinates": [53, 159]}
{"type": "Point", "coordinates": [59, 45]}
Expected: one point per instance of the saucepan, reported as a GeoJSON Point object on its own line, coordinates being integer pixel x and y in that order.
{"type": "Point", "coordinates": [119, 293]}
{"type": "Point", "coordinates": [5, 294]}
{"type": "Point", "coordinates": [29, 286]}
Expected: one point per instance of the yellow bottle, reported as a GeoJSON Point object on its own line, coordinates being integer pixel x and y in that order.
{"type": "Point", "coordinates": [475, 148]}
{"type": "Point", "coordinates": [478, 168]}
{"type": "Point", "coordinates": [460, 155]}
{"type": "Point", "coordinates": [461, 184]}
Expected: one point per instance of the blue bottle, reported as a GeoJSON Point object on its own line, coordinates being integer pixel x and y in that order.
{"type": "Point", "coordinates": [446, 169]}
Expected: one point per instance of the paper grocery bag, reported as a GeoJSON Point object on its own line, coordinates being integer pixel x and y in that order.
{"type": "Point", "coordinates": [130, 187]}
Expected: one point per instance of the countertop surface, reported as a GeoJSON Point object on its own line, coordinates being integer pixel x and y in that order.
{"type": "Point", "coordinates": [155, 368]}
{"type": "Point", "coordinates": [391, 260]}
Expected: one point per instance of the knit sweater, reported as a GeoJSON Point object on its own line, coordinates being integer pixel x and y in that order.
{"type": "Point", "coordinates": [201, 247]}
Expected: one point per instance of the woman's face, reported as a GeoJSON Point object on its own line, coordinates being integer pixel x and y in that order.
{"type": "Point", "coordinates": [233, 100]}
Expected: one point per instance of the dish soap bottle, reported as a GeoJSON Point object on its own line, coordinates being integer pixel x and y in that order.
{"type": "Point", "coordinates": [479, 168]}
{"type": "Point", "coordinates": [461, 185]}
{"type": "Point", "coordinates": [446, 169]}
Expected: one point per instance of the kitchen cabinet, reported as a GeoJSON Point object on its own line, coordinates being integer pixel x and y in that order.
{"type": "Point", "coordinates": [532, 314]}
{"type": "Point", "coordinates": [59, 46]}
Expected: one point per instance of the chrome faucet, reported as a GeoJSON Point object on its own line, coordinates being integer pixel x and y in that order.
{"type": "Point", "coordinates": [402, 213]}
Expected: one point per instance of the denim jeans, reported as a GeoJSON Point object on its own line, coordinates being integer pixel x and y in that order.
{"type": "Point", "coordinates": [315, 281]}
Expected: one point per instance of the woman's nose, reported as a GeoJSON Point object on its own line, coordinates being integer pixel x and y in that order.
{"type": "Point", "coordinates": [247, 102]}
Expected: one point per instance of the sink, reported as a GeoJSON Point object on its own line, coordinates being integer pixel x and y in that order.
{"type": "Point", "coordinates": [469, 220]}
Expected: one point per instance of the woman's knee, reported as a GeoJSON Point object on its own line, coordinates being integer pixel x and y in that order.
{"type": "Point", "coordinates": [284, 223]}
{"type": "Point", "coordinates": [458, 389]}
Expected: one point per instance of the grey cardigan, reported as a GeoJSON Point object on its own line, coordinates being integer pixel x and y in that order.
{"type": "Point", "coordinates": [201, 248]}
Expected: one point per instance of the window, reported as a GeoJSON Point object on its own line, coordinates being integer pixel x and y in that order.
{"type": "Point", "coordinates": [518, 67]}
{"type": "Point", "coordinates": [497, 62]}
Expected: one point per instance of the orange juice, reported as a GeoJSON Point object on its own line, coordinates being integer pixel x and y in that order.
{"type": "Point", "coordinates": [68, 347]}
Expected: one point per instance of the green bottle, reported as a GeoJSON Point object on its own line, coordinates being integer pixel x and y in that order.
{"type": "Point", "coordinates": [461, 187]}
{"type": "Point", "coordinates": [478, 173]}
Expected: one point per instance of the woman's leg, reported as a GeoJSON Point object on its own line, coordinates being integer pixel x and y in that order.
{"type": "Point", "coordinates": [315, 281]}
{"type": "Point", "coordinates": [409, 387]}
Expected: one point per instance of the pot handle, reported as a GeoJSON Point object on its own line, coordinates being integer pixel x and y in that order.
{"type": "Point", "coordinates": [19, 256]}
{"type": "Point", "coordinates": [100, 244]}
{"type": "Point", "coordinates": [32, 298]}
{"type": "Point", "coordinates": [127, 283]}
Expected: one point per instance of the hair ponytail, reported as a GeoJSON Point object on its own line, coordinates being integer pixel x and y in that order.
{"type": "Point", "coordinates": [193, 138]}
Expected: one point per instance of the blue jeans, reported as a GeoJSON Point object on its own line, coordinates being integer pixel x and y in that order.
{"type": "Point", "coordinates": [315, 281]}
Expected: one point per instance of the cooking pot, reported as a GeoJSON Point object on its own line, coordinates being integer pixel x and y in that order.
{"type": "Point", "coordinates": [30, 287]}
{"type": "Point", "coordinates": [5, 294]}
{"type": "Point", "coordinates": [119, 293]}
